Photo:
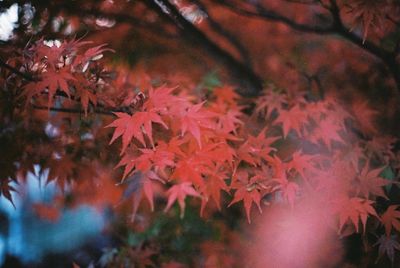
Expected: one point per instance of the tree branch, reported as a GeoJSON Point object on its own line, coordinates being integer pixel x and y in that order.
{"type": "Point", "coordinates": [387, 57]}
{"type": "Point", "coordinates": [16, 71]}
{"type": "Point", "coordinates": [226, 34]}
{"type": "Point", "coordinates": [263, 13]}
{"type": "Point", "coordinates": [243, 75]}
{"type": "Point", "coordinates": [336, 27]}
{"type": "Point", "coordinates": [71, 110]}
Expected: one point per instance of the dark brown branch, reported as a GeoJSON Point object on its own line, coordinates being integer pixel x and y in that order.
{"type": "Point", "coordinates": [336, 27]}
{"type": "Point", "coordinates": [243, 75]}
{"type": "Point", "coordinates": [311, 2]}
{"type": "Point", "coordinates": [215, 26]}
{"type": "Point", "coordinates": [71, 110]}
{"type": "Point", "coordinates": [265, 14]}
{"type": "Point", "coordinates": [16, 71]}
{"type": "Point", "coordinates": [120, 18]}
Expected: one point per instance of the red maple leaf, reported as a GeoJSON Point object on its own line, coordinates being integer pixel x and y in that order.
{"type": "Point", "coordinates": [327, 131]}
{"type": "Point", "coordinates": [229, 121]}
{"type": "Point", "coordinates": [6, 189]}
{"type": "Point", "coordinates": [179, 192]}
{"type": "Point", "coordinates": [293, 119]}
{"type": "Point", "coordinates": [256, 148]}
{"type": "Point", "coordinates": [269, 102]}
{"type": "Point", "coordinates": [214, 183]}
{"type": "Point", "coordinates": [157, 159]}
{"type": "Point", "coordinates": [84, 92]}
{"type": "Point", "coordinates": [134, 126]}
{"type": "Point", "coordinates": [249, 190]}
{"type": "Point", "coordinates": [51, 81]}
{"type": "Point", "coordinates": [92, 53]}
{"type": "Point", "coordinates": [162, 100]}
{"type": "Point", "coordinates": [368, 14]}
{"type": "Point", "coordinates": [355, 209]}
{"type": "Point", "coordinates": [371, 183]}
{"type": "Point", "coordinates": [288, 189]}
{"type": "Point", "coordinates": [391, 218]}
{"type": "Point", "coordinates": [301, 163]}
{"type": "Point", "coordinates": [139, 183]}
{"type": "Point", "coordinates": [195, 118]}
{"type": "Point", "coordinates": [186, 170]}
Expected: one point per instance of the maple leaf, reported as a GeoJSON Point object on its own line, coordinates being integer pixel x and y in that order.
{"type": "Point", "coordinates": [382, 146]}
{"type": "Point", "coordinates": [212, 153]}
{"type": "Point", "coordinates": [293, 119]}
{"type": "Point", "coordinates": [51, 81]}
{"type": "Point", "coordinates": [278, 167]}
{"type": "Point", "coordinates": [391, 218]}
{"type": "Point", "coordinates": [371, 183]}
{"type": "Point", "coordinates": [355, 209]}
{"type": "Point", "coordinates": [229, 121]}
{"type": "Point", "coordinates": [367, 13]}
{"type": "Point", "coordinates": [301, 163]}
{"type": "Point", "coordinates": [84, 92]}
{"type": "Point", "coordinates": [256, 148]}
{"type": "Point", "coordinates": [288, 189]}
{"type": "Point", "coordinates": [327, 132]}
{"type": "Point", "coordinates": [139, 183]}
{"type": "Point", "coordinates": [387, 244]}
{"type": "Point", "coordinates": [134, 127]}
{"type": "Point", "coordinates": [6, 189]}
{"type": "Point", "coordinates": [51, 52]}
{"type": "Point", "coordinates": [94, 53]}
{"type": "Point", "coordinates": [215, 182]}
{"type": "Point", "coordinates": [188, 171]}
{"type": "Point", "coordinates": [161, 99]}
{"type": "Point", "coordinates": [179, 192]}
{"type": "Point", "coordinates": [249, 190]}
{"type": "Point", "coordinates": [173, 146]}
{"type": "Point", "coordinates": [145, 159]}
{"type": "Point", "coordinates": [194, 119]}
{"type": "Point", "coordinates": [269, 102]}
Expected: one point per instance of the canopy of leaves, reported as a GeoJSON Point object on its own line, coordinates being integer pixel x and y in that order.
{"type": "Point", "coordinates": [216, 107]}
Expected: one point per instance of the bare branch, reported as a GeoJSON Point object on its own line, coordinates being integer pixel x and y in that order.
{"type": "Point", "coordinates": [262, 13]}
{"type": "Point", "coordinates": [244, 76]}
{"type": "Point", "coordinates": [336, 27]}
{"type": "Point", "coordinates": [16, 71]}
{"type": "Point", "coordinates": [70, 110]}
{"type": "Point", "coordinates": [226, 34]}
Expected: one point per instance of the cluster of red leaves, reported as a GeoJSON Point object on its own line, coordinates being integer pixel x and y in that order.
{"type": "Point", "coordinates": [205, 148]}
{"type": "Point", "coordinates": [377, 15]}
{"type": "Point", "coordinates": [287, 148]}
{"type": "Point", "coordinates": [64, 69]}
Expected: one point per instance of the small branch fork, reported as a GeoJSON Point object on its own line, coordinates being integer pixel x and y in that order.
{"type": "Point", "coordinates": [335, 27]}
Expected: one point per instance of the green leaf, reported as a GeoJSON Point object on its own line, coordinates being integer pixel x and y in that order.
{"type": "Point", "coordinates": [388, 174]}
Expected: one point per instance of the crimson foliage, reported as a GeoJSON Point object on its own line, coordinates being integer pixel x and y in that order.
{"type": "Point", "coordinates": [109, 134]}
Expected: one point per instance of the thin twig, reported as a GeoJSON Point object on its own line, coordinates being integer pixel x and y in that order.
{"type": "Point", "coordinates": [71, 110]}
{"type": "Point", "coordinates": [16, 71]}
